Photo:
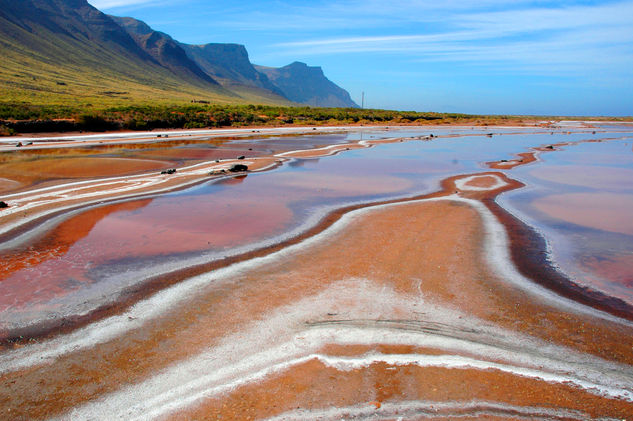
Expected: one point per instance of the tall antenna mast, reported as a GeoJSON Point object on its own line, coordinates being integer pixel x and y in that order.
{"type": "Point", "coordinates": [362, 103]}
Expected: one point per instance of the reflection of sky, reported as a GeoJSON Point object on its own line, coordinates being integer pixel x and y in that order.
{"type": "Point", "coordinates": [217, 219]}
{"type": "Point", "coordinates": [581, 198]}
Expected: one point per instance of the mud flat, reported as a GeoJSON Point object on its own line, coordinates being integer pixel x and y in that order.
{"type": "Point", "coordinates": [432, 305]}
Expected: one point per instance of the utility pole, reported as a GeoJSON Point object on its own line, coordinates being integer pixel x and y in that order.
{"type": "Point", "coordinates": [362, 102]}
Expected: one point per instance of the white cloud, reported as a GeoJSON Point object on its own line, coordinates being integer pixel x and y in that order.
{"type": "Point", "coordinates": [540, 40]}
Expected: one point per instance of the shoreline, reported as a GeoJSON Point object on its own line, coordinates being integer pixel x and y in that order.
{"type": "Point", "coordinates": [525, 246]}
{"type": "Point", "coordinates": [388, 321]}
{"type": "Point", "coordinates": [535, 265]}
{"type": "Point", "coordinates": [430, 310]}
{"type": "Point", "coordinates": [128, 136]}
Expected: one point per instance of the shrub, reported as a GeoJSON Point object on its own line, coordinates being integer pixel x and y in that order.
{"type": "Point", "coordinates": [94, 122]}
{"type": "Point", "coordinates": [6, 131]}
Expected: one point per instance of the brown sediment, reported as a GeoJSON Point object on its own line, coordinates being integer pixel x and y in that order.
{"type": "Point", "coordinates": [432, 249]}
{"type": "Point", "coordinates": [144, 187]}
{"type": "Point", "coordinates": [314, 386]}
{"type": "Point", "coordinates": [58, 162]}
{"type": "Point", "coordinates": [485, 182]}
{"type": "Point", "coordinates": [528, 252]}
{"type": "Point", "coordinates": [77, 167]}
{"type": "Point", "coordinates": [407, 258]}
{"type": "Point", "coordinates": [524, 159]}
{"type": "Point", "coordinates": [130, 296]}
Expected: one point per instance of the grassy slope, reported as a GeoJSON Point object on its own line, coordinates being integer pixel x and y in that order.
{"type": "Point", "coordinates": [46, 68]}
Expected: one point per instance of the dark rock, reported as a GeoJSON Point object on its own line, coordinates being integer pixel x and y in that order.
{"type": "Point", "coordinates": [241, 157]}
{"type": "Point", "coordinates": [549, 147]}
{"type": "Point", "coordinates": [169, 171]}
{"type": "Point", "coordinates": [3, 205]}
{"type": "Point", "coordinates": [18, 145]}
{"type": "Point", "coordinates": [238, 168]}
{"type": "Point", "coordinates": [489, 135]}
{"type": "Point", "coordinates": [217, 160]}
{"type": "Point", "coordinates": [504, 160]}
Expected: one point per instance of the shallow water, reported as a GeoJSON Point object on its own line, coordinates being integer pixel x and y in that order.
{"type": "Point", "coordinates": [396, 310]}
{"type": "Point", "coordinates": [118, 246]}
{"type": "Point", "coordinates": [581, 199]}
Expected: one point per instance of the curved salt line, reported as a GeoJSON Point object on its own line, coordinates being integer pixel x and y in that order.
{"type": "Point", "coordinates": [130, 184]}
{"type": "Point", "coordinates": [143, 181]}
{"type": "Point", "coordinates": [341, 146]}
{"type": "Point", "coordinates": [462, 183]}
{"type": "Point", "coordinates": [431, 409]}
{"type": "Point", "coordinates": [325, 148]}
{"type": "Point", "coordinates": [209, 374]}
{"type": "Point", "coordinates": [216, 132]}
{"type": "Point", "coordinates": [118, 283]}
{"type": "Point", "coordinates": [497, 255]}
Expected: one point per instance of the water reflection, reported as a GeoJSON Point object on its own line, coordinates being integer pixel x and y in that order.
{"type": "Point", "coordinates": [125, 244]}
{"type": "Point", "coordinates": [581, 198]}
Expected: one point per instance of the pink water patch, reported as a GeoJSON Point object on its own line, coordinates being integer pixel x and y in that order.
{"type": "Point", "coordinates": [603, 211]}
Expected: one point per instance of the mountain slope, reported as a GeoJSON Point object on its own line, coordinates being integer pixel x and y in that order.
{"type": "Point", "coordinates": [226, 63]}
{"type": "Point", "coordinates": [68, 52]}
{"type": "Point", "coordinates": [230, 64]}
{"type": "Point", "coordinates": [307, 85]}
{"type": "Point", "coordinates": [162, 48]}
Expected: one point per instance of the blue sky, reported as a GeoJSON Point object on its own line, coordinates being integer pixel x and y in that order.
{"type": "Point", "coordinates": [484, 56]}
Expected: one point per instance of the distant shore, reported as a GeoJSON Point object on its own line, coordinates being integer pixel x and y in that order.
{"type": "Point", "coordinates": [18, 119]}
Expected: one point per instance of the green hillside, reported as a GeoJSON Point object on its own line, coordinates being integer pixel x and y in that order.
{"type": "Point", "coordinates": [66, 52]}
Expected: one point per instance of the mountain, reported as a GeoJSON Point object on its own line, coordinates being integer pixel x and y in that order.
{"type": "Point", "coordinates": [66, 52]}
{"type": "Point", "coordinates": [229, 63]}
{"type": "Point", "coordinates": [162, 48]}
{"type": "Point", "coordinates": [307, 85]}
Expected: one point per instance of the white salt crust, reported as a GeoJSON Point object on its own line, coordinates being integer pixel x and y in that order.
{"type": "Point", "coordinates": [496, 251]}
{"type": "Point", "coordinates": [125, 187]}
{"type": "Point", "coordinates": [282, 341]}
{"type": "Point", "coordinates": [462, 183]}
{"type": "Point", "coordinates": [431, 409]}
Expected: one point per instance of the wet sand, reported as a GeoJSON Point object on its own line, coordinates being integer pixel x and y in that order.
{"type": "Point", "coordinates": [406, 308]}
{"type": "Point", "coordinates": [376, 279]}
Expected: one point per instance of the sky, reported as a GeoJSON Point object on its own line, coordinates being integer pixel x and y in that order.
{"type": "Point", "coordinates": [471, 56]}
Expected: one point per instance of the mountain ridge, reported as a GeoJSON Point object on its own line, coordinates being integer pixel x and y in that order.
{"type": "Point", "coordinates": [307, 85]}
{"type": "Point", "coordinates": [68, 52]}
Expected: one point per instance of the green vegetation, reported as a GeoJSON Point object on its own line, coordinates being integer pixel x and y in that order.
{"type": "Point", "coordinates": [33, 118]}
{"type": "Point", "coordinates": [26, 118]}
